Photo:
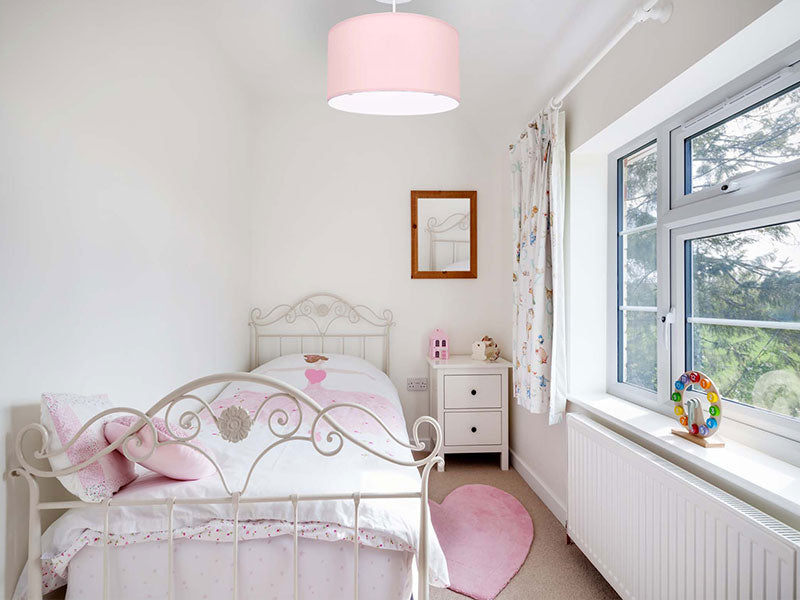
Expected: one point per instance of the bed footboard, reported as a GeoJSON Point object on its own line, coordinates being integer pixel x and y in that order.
{"type": "Point", "coordinates": [231, 428]}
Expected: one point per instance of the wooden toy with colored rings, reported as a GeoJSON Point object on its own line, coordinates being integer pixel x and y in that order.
{"type": "Point", "coordinates": [690, 392]}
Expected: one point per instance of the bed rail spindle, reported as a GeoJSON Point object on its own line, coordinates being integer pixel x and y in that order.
{"type": "Point", "coordinates": [170, 589]}
{"type": "Point", "coordinates": [105, 549]}
{"type": "Point", "coordinates": [294, 527]}
{"type": "Point", "coordinates": [356, 502]}
{"type": "Point", "coordinates": [34, 536]}
{"type": "Point", "coordinates": [236, 545]}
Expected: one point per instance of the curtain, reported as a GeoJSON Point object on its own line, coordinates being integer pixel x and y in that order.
{"type": "Point", "coordinates": [538, 173]}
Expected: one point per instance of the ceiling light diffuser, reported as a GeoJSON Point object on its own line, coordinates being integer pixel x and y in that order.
{"type": "Point", "coordinates": [393, 64]}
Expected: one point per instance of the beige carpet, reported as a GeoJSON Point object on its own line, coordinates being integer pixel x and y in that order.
{"type": "Point", "coordinates": [553, 569]}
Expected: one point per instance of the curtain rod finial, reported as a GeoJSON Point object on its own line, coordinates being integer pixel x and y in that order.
{"type": "Point", "coordinates": [660, 10]}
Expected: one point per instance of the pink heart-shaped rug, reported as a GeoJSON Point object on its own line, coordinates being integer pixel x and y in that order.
{"type": "Point", "coordinates": [485, 534]}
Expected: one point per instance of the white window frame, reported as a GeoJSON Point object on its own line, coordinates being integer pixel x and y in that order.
{"type": "Point", "coordinates": [774, 84]}
{"type": "Point", "coordinates": [616, 387]}
{"type": "Point", "coordinates": [749, 415]}
{"type": "Point", "coordinates": [764, 198]}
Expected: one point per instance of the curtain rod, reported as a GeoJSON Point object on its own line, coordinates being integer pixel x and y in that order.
{"type": "Point", "coordinates": [650, 10]}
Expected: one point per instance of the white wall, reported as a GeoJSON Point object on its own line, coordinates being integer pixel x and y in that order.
{"type": "Point", "coordinates": [124, 211]}
{"type": "Point", "coordinates": [333, 214]}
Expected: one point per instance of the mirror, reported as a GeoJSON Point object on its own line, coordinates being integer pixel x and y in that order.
{"type": "Point", "coordinates": [444, 241]}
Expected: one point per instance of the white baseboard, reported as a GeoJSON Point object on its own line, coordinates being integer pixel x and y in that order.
{"type": "Point", "coordinates": [556, 505]}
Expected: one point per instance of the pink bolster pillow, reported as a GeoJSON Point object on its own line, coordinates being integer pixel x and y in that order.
{"type": "Point", "coordinates": [175, 461]}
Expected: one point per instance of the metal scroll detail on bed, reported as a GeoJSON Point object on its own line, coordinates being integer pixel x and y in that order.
{"type": "Point", "coordinates": [284, 428]}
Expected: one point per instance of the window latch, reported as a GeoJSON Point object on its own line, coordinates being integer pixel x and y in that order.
{"type": "Point", "coordinates": [666, 321]}
{"type": "Point", "coordinates": [733, 185]}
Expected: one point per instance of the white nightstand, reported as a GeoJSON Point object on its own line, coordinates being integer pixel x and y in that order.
{"type": "Point", "coordinates": [469, 398]}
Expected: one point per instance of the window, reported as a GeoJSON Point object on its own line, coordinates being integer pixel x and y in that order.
{"type": "Point", "coordinates": [706, 244]}
{"type": "Point", "coordinates": [636, 256]}
{"type": "Point", "coordinates": [743, 314]}
{"type": "Point", "coordinates": [763, 136]}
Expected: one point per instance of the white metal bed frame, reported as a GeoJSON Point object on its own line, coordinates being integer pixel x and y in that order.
{"type": "Point", "coordinates": [321, 310]}
{"type": "Point", "coordinates": [434, 226]}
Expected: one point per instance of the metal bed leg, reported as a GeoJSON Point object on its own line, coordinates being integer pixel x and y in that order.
{"type": "Point", "coordinates": [236, 545]}
{"type": "Point", "coordinates": [294, 509]}
{"type": "Point", "coordinates": [34, 535]}
{"type": "Point", "coordinates": [170, 584]}
{"type": "Point", "coordinates": [105, 549]}
{"type": "Point", "coordinates": [422, 553]}
{"type": "Point", "coordinates": [356, 502]}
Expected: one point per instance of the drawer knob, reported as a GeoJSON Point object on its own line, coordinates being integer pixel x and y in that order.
{"type": "Point", "coordinates": [474, 429]}
{"type": "Point", "coordinates": [474, 392]}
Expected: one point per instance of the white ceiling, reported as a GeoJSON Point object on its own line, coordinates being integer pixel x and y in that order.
{"type": "Point", "coordinates": [515, 54]}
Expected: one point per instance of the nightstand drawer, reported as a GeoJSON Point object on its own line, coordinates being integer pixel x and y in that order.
{"type": "Point", "coordinates": [473, 391]}
{"type": "Point", "coordinates": [473, 428]}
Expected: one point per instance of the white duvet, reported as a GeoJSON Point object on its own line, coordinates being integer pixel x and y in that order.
{"type": "Point", "coordinates": [291, 468]}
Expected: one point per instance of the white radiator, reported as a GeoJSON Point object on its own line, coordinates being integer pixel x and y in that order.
{"type": "Point", "coordinates": [656, 531]}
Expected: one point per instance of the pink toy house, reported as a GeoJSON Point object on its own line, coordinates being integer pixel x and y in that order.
{"type": "Point", "coordinates": [439, 345]}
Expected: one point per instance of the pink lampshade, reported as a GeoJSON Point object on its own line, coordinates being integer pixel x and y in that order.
{"type": "Point", "coordinates": [393, 64]}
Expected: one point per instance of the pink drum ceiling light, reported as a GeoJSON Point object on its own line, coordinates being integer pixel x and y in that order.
{"type": "Point", "coordinates": [393, 64]}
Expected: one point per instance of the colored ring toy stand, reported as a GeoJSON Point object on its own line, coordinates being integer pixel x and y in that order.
{"type": "Point", "coordinates": [697, 427]}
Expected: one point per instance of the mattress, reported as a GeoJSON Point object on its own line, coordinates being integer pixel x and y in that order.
{"type": "Point", "coordinates": [294, 467]}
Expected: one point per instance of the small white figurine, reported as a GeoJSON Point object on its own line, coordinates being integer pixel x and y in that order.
{"type": "Point", "coordinates": [478, 351]}
{"type": "Point", "coordinates": [485, 349]}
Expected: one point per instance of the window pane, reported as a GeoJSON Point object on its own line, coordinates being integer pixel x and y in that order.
{"type": "Point", "coordinates": [639, 348]}
{"type": "Point", "coordinates": [637, 197]}
{"type": "Point", "coordinates": [639, 273]}
{"type": "Point", "coordinates": [751, 365]}
{"type": "Point", "coordinates": [639, 187]}
{"type": "Point", "coordinates": [761, 137]}
{"type": "Point", "coordinates": [753, 274]}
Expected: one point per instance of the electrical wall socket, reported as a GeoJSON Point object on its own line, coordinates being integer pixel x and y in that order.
{"type": "Point", "coordinates": [417, 384]}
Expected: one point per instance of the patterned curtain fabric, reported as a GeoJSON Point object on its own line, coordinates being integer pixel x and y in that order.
{"type": "Point", "coordinates": [538, 172]}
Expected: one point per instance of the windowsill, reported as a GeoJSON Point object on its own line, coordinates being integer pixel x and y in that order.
{"type": "Point", "coordinates": [770, 484]}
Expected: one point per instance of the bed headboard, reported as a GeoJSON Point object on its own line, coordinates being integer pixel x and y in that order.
{"type": "Point", "coordinates": [320, 323]}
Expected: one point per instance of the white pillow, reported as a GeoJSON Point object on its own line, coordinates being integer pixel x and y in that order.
{"type": "Point", "coordinates": [63, 415]}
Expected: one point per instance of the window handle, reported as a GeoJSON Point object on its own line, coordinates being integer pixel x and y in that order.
{"type": "Point", "coordinates": [733, 185]}
{"type": "Point", "coordinates": [666, 321]}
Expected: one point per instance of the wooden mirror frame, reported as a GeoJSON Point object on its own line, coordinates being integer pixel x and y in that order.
{"type": "Point", "coordinates": [473, 235]}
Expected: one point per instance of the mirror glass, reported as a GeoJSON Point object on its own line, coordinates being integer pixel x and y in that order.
{"type": "Point", "coordinates": [443, 238]}
{"type": "Point", "coordinates": [443, 231]}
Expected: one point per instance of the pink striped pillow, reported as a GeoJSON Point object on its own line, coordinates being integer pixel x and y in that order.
{"type": "Point", "coordinates": [63, 415]}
